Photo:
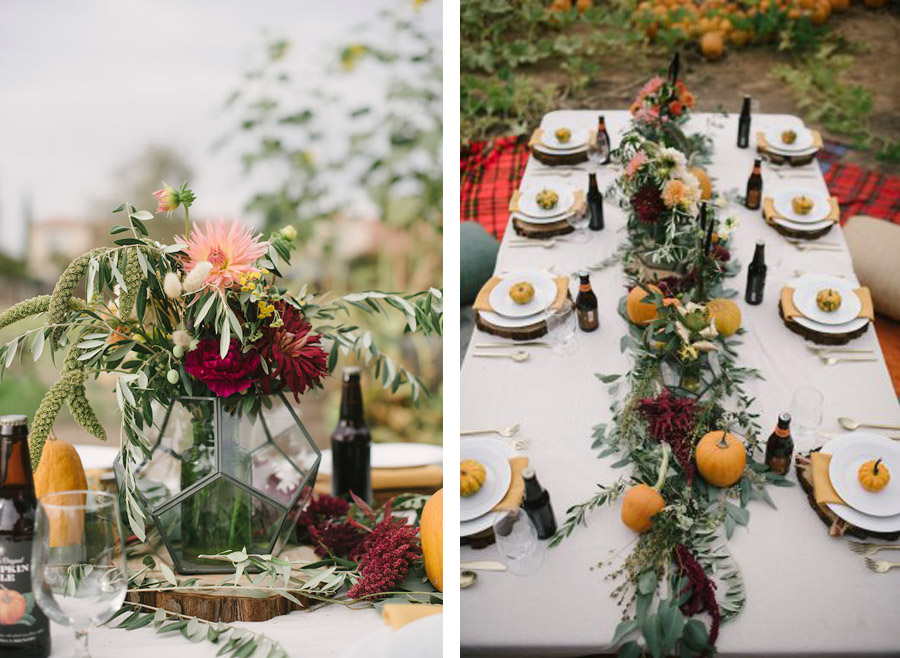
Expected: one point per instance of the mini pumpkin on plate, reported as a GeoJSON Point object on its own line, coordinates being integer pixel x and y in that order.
{"type": "Point", "coordinates": [874, 475]}
{"type": "Point", "coordinates": [563, 135]}
{"type": "Point", "coordinates": [788, 137]}
{"type": "Point", "coordinates": [471, 477]}
{"type": "Point", "coordinates": [828, 299]}
{"type": "Point", "coordinates": [802, 204]}
{"type": "Point", "coordinates": [547, 199]}
{"type": "Point", "coordinates": [522, 292]}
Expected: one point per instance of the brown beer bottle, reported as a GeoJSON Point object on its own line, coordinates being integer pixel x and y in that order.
{"type": "Point", "coordinates": [754, 186]}
{"type": "Point", "coordinates": [351, 443]}
{"type": "Point", "coordinates": [537, 505]}
{"type": "Point", "coordinates": [780, 446]}
{"type": "Point", "coordinates": [604, 146]}
{"type": "Point", "coordinates": [586, 304]}
{"type": "Point", "coordinates": [24, 629]}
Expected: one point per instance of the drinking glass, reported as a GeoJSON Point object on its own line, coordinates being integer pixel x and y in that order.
{"type": "Point", "coordinates": [806, 411]}
{"type": "Point", "coordinates": [562, 329]}
{"type": "Point", "coordinates": [78, 566]}
{"type": "Point", "coordinates": [517, 541]}
{"type": "Point", "coordinates": [579, 221]}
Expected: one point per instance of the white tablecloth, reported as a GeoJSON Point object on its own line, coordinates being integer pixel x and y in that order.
{"type": "Point", "coordinates": [806, 592]}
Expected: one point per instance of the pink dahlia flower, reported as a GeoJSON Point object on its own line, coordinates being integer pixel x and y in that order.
{"type": "Point", "coordinates": [652, 86]}
{"type": "Point", "coordinates": [634, 165]}
{"type": "Point", "coordinates": [230, 248]}
{"type": "Point", "coordinates": [224, 377]}
{"type": "Point", "coordinates": [167, 199]}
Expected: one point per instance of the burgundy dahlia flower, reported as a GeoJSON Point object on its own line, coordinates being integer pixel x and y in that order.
{"type": "Point", "coordinates": [647, 203]}
{"type": "Point", "coordinates": [292, 352]}
{"type": "Point", "coordinates": [224, 377]}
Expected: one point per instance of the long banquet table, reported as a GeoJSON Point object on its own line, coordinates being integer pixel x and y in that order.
{"type": "Point", "coordinates": [807, 593]}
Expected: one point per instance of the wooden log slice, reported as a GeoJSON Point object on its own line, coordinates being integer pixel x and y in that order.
{"type": "Point", "coordinates": [560, 160]}
{"type": "Point", "coordinates": [820, 338]}
{"type": "Point", "coordinates": [529, 332]}
{"type": "Point", "coordinates": [792, 160]}
{"type": "Point", "coordinates": [837, 527]}
{"type": "Point", "coordinates": [800, 235]}
{"type": "Point", "coordinates": [541, 231]}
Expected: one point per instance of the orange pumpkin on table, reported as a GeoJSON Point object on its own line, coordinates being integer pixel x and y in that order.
{"type": "Point", "coordinates": [641, 312]}
{"type": "Point", "coordinates": [431, 532]}
{"type": "Point", "coordinates": [721, 458]}
{"type": "Point", "coordinates": [12, 607]}
{"type": "Point", "coordinates": [642, 502]}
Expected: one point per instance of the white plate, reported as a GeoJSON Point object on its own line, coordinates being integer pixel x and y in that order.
{"type": "Point", "coordinates": [482, 523]}
{"type": "Point", "coordinates": [494, 456]}
{"type": "Point", "coordinates": [544, 294]}
{"type": "Point", "coordinates": [372, 645]}
{"type": "Point", "coordinates": [851, 326]}
{"type": "Point", "coordinates": [395, 455]}
{"type": "Point", "coordinates": [528, 199]}
{"type": "Point", "coordinates": [803, 142]}
{"type": "Point", "coordinates": [577, 141]}
{"type": "Point", "coordinates": [845, 463]}
{"type": "Point", "coordinates": [850, 515]}
{"type": "Point", "coordinates": [810, 285]}
{"type": "Point", "coordinates": [821, 207]}
{"type": "Point", "coordinates": [422, 638]}
{"type": "Point", "coordinates": [512, 323]}
{"type": "Point", "coordinates": [539, 221]}
{"type": "Point", "coordinates": [96, 458]}
{"type": "Point", "coordinates": [816, 226]}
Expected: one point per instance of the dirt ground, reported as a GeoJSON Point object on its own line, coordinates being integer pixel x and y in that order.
{"type": "Point", "coordinates": [720, 85]}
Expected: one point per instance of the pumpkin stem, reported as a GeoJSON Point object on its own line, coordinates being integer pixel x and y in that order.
{"type": "Point", "coordinates": [875, 467]}
{"type": "Point", "coordinates": [723, 442]}
{"type": "Point", "coordinates": [663, 467]}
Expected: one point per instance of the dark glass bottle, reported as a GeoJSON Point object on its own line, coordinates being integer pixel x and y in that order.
{"type": "Point", "coordinates": [743, 136]}
{"type": "Point", "coordinates": [604, 146]}
{"type": "Point", "coordinates": [537, 505]}
{"type": "Point", "coordinates": [756, 275]}
{"type": "Point", "coordinates": [595, 203]}
{"type": "Point", "coordinates": [754, 186]}
{"type": "Point", "coordinates": [351, 443]}
{"type": "Point", "coordinates": [780, 446]}
{"type": "Point", "coordinates": [586, 304]}
{"type": "Point", "coordinates": [25, 631]}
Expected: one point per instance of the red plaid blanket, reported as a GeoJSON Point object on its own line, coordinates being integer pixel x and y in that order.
{"type": "Point", "coordinates": [490, 172]}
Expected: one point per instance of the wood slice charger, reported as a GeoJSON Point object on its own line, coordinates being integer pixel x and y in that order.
{"type": "Point", "coordinates": [221, 604]}
{"type": "Point", "coordinates": [541, 231]}
{"type": "Point", "coordinates": [529, 332]}
{"type": "Point", "coordinates": [768, 215]}
{"type": "Point", "coordinates": [820, 338]}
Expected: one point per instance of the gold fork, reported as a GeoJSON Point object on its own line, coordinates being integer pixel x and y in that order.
{"type": "Point", "coordinates": [870, 548]}
{"type": "Point", "coordinates": [879, 566]}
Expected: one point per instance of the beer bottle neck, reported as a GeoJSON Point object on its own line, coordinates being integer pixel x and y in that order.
{"type": "Point", "coordinates": [15, 462]}
{"type": "Point", "coordinates": [592, 183]}
{"type": "Point", "coordinates": [533, 489]}
{"type": "Point", "coordinates": [585, 285]}
{"type": "Point", "coordinates": [351, 401]}
{"type": "Point", "coordinates": [759, 256]}
{"type": "Point", "coordinates": [745, 107]}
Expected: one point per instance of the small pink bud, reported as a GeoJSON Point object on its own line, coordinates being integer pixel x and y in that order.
{"type": "Point", "coordinates": [167, 198]}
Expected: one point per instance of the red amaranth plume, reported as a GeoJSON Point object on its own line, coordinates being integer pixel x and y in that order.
{"type": "Point", "coordinates": [387, 553]}
{"type": "Point", "coordinates": [671, 419]}
{"type": "Point", "coordinates": [322, 509]}
{"type": "Point", "coordinates": [648, 204]}
{"type": "Point", "coordinates": [341, 539]}
{"type": "Point", "coordinates": [703, 595]}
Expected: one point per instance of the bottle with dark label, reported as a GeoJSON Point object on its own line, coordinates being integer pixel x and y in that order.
{"type": "Point", "coordinates": [24, 629]}
{"type": "Point", "coordinates": [586, 304]}
{"type": "Point", "coordinates": [780, 446]}
{"type": "Point", "coordinates": [351, 443]}
{"type": "Point", "coordinates": [743, 136]}
{"type": "Point", "coordinates": [604, 146]}
{"type": "Point", "coordinates": [595, 203]}
{"type": "Point", "coordinates": [537, 505]}
{"type": "Point", "coordinates": [756, 275]}
{"type": "Point", "coordinates": [754, 186]}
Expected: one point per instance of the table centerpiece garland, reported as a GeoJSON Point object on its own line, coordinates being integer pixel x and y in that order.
{"type": "Point", "coordinates": [683, 397]}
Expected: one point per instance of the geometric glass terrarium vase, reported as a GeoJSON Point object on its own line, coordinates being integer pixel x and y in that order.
{"type": "Point", "coordinates": [217, 480]}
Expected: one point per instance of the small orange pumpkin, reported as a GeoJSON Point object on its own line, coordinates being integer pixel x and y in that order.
{"type": "Point", "coordinates": [641, 312]}
{"type": "Point", "coordinates": [706, 188]}
{"type": "Point", "coordinates": [840, 5]}
{"type": "Point", "coordinates": [431, 532]}
{"type": "Point", "coordinates": [60, 469]}
{"type": "Point", "coordinates": [643, 502]}
{"type": "Point", "coordinates": [12, 607]}
{"type": "Point", "coordinates": [721, 458]}
{"type": "Point", "coordinates": [712, 45]}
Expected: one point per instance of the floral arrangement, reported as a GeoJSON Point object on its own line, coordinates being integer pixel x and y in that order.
{"type": "Point", "coordinates": [685, 383]}
{"type": "Point", "coordinates": [204, 316]}
{"type": "Point", "coordinates": [660, 101]}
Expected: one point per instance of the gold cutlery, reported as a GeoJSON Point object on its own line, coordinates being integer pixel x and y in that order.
{"type": "Point", "coordinates": [506, 432]}
{"type": "Point", "coordinates": [869, 548]}
{"type": "Point", "coordinates": [879, 566]}
{"type": "Point", "coordinates": [828, 436]}
{"type": "Point", "coordinates": [528, 343]}
{"type": "Point", "coordinates": [803, 246]}
{"type": "Point", "coordinates": [834, 360]}
{"type": "Point", "coordinates": [827, 349]}
{"type": "Point", "coordinates": [543, 244]}
{"type": "Point", "coordinates": [483, 565]}
{"type": "Point", "coordinates": [467, 578]}
{"type": "Point", "coordinates": [519, 356]}
{"type": "Point", "coordinates": [850, 424]}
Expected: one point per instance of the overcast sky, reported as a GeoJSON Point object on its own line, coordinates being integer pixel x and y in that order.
{"type": "Point", "coordinates": [86, 86]}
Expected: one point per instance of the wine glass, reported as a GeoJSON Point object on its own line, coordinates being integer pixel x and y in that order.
{"type": "Point", "coordinates": [517, 541]}
{"type": "Point", "coordinates": [806, 411]}
{"type": "Point", "coordinates": [78, 566]}
{"type": "Point", "coordinates": [562, 329]}
{"type": "Point", "coordinates": [579, 220]}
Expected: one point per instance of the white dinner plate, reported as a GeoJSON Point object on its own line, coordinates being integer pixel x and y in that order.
{"type": "Point", "coordinates": [853, 325]}
{"type": "Point", "coordinates": [577, 141]}
{"type": "Point", "coordinates": [544, 294]}
{"type": "Point", "coordinates": [803, 142]}
{"type": "Point", "coordinates": [820, 210]}
{"type": "Point", "coordinates": [512, 323]}
{"type": "Point", "coordinates": [528, 199]}
{"type": "Point", "coordinates": [372, 645]}
{"type": "Point", "coordinates": [809, 285]}
{"type": "Point", "coordinates": [539, 221]}
{"type": "Point", "coordinates": [494, 456]}
{"type": "Point", "coordinates": [843, 471]}
{"type": "Point", "coordinates": [422, 638]}
{"type": "Point", "coordinates": [96, 458]}
{"type": "Point", "coordinates": [850, 515]}
{"type": "Point", "coordinates": [482, 523]}
{"type": "Point", "coordinates": [810, 228]}
{"type": "Point", "coordinates": [395, 455]}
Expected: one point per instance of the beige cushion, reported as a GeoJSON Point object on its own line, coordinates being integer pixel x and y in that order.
{"type": "Point", "coordinates": [875, 247]}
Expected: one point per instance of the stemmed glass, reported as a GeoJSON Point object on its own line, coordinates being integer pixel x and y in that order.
{"type": "Point", "coordinates": [517, 541]}
{"type": "Point", "coordinates": [806, 412]}
{"type": "Point", "coordinates": [562, 329]}
{"type": "Point", "coordinates": [78, 565]}
{"type": "Point", "coordinates": [579, 221]}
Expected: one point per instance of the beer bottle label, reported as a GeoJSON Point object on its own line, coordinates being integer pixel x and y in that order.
{"type": "Point", "coordinates": [588, 319]}
{"type": "Point", "coordinates": [753, 198]}
{"type": "Point", "coordinates": [22, 623]}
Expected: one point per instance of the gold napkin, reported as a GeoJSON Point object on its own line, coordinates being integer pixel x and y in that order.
{"type": "Point", "coordinates": [537, 139]}
{"type": "Point", "coordinates": [770, 214]}
{"type": "Point", "coordinates": [578, 207]}
{"type": "Point", "coordinates": [790, 311]}
{"type": "Point", "coordinates": [823, 490]}
{"type": "Point", "coordinates": [762, 144]}
{"type": "Point", "coordinates": [483, 300]}
{"type": "Point", "coordinates": [398, 615]}
{"type": "Point", "coordinates": [516, 491]}
{"type": "Point", "coordinates": [415, 477]}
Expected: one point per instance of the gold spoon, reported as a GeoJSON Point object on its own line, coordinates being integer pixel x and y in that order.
{"type": "Point", "coordinates": [832, 360]}
{"type": "Point", "coordinates": [467, 578]}
{"type": "Point", "coordinates": [518, 356]}
{"type": "Point", "coordinates": [850, 424]}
